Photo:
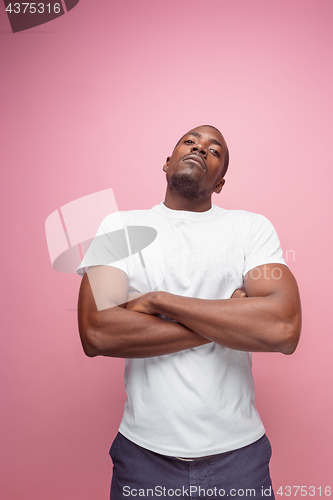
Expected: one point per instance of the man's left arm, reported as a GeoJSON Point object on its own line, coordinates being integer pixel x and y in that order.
{"type": "Point", "coordinates": [268, 319]}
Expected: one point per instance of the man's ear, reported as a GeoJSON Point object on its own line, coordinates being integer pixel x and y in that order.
{"type": "Point", "coordinates": [218, 188]}
{"type": "Point", "coordinates": [166, 164]}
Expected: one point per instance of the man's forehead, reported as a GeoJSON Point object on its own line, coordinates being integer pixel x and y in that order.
{"type": "Point", "coordinates": [202, 129]}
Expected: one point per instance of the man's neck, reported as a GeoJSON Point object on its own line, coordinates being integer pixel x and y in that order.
{"type": "Point", "coordinates": [175, 202]}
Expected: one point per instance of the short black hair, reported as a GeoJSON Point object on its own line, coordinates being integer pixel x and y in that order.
{"type": "Point", "coordinates": [224, 144]}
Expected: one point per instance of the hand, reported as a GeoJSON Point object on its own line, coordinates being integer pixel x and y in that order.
{"type": "Point", "coordinates": [142, 303]}
{"type": "Point", "coordinates": [238, 294]}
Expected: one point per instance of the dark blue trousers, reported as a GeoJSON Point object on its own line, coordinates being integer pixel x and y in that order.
{"type": "Point", "coordinates": [237, 474]}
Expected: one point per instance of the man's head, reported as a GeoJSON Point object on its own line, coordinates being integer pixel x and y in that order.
{"type": "Point", "coordinates": [223, 143]}
{"type": "Point", "coordinates": [198, 164]}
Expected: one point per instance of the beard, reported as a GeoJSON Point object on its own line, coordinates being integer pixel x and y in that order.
{"type": "Point", "coordinates": [187, 187]}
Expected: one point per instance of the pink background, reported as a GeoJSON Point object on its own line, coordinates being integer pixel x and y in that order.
{"type": "Point", "coordinates": [97, 99]}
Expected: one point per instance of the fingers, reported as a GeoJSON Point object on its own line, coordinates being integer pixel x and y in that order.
{"type": "Point", "coordinates": [132, 300]}
{"type": "Point", "coordinates": [238, 294]}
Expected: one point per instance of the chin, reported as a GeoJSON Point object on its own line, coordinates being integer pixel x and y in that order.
{"type": "Point", "coordinates": [187, 187]}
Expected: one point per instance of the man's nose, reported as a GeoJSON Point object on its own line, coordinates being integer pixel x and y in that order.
{"type": "Point", "coordinates": [200, 148]}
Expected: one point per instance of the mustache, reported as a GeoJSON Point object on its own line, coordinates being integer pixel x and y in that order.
{"type": "Point", "coordinates": [200, 159]}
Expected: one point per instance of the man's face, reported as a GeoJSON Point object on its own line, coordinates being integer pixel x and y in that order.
{"type": "Point", "coordinates": [195, 167]}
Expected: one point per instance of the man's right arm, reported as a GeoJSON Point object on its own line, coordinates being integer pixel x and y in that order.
{"type": "Point", "coordinates": [112, 330]}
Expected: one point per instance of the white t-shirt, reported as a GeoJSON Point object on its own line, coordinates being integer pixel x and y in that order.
{"type": "Point", "coordinates": [199, 401]}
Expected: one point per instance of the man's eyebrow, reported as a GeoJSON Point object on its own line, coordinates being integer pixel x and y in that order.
{"type": "Point", "coordinates": [214, 141]}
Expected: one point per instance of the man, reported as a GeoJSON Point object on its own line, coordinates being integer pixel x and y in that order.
{"type": "Point", "coordinates": [221, 289]}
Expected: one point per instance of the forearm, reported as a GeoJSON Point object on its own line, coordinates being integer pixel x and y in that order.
{"type": "Point", "coordinates": [118, 332]}
{"type": "Point", "coordinates": [249, 324]}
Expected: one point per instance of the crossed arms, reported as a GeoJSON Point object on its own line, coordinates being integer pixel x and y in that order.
{"type": "Point", "coordinates": [267, 318]}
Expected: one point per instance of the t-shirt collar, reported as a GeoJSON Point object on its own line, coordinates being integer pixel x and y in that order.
{"type": "Point", "coordinates": [184, 214]}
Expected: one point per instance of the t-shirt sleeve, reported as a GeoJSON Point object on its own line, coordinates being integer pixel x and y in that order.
{"type": "Point", "coordinates": [262, 245]}
{"type": "Point", "coordinates": [109, 247]}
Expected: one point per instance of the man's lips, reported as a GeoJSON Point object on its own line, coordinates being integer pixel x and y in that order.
{"type": "Point", "coordinates": [197, 158]}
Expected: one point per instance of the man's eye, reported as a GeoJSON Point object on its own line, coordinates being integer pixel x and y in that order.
{"type": "Point", "coordinates": [216, 153]}
{"type": "Point", "coordinates": [188, 141]}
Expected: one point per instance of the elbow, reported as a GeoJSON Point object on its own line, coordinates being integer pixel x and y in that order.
{"type": "Point", "coordinates": [289, 346]}
{"type": "Point", "coordinates": [289, 336]}
{"type": "Point", "coordinates": [94, 344]}
{"type": "Point", "coordinates": [90, 343]}
{"type": "Point", "coordinates": [89, 351]}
